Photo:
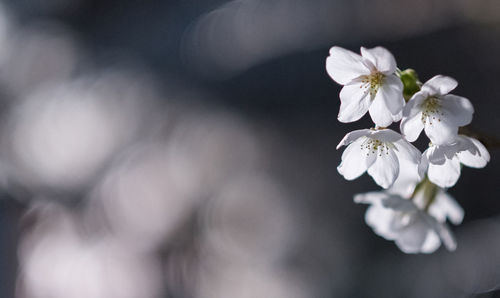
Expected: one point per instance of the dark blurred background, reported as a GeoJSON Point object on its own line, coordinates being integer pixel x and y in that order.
{"type": "Point", "coordinates": [187, 148]}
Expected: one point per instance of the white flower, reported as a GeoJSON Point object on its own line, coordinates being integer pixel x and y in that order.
{"type": "Point", "coordinates": [369, 83]}
{"type": "Point", "coordinates": [442, 163]}
{"type": "Point", "coordinates": [412, 228]}
{"type": "Point", "coordinates": [436, 111]}
{"type": "Point", "coordinates": [379, 152]}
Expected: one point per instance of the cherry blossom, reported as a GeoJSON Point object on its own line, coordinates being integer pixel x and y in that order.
{"type": "Point", "coordinates": [377, 151]}
{"type": "Point", "coordinates": [413, 209]}
{"type": "Point", "coordinates": [413, 228]}
{"type": "Point", "coordinates": [442, 162]}
{"type": "Point", "coordinates": [370, 84]}
{"type": "Point", "coordinates": [434, 110]}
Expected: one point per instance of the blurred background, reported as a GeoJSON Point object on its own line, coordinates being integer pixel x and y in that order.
{"type": "Point", "coordinates": [187, 149]}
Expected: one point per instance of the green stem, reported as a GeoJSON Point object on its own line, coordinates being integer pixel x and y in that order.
{"type": "Point", "coordinates": [419, 186]}
{"type": "Point", "coordinates": [430, 191]}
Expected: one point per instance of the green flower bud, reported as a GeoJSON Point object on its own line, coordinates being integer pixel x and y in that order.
{"type": "Point", "coordinates": [410, 81]}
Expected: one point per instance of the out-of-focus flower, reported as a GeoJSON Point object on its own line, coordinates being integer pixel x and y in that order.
{"type": "Point", "coordinates": [141, 200]}
{"type": "Point", "coordinates": [436, 111]}
{"type": "Point", "coordinates": [249, 282]}
{"type": "Point", "coordinates": [442, 163]}
{"type": "Point", "coordinates": [249, 222]}
{"type": "Point", "coordinates": [59, 259]}
{"type": "Point", "coordinates": [62, 134]}
{"type": "Point", "coordinates": [377, 151]}
{"type": "Point", "coordinates": [413, 229]}
{"type": "Point", "coordinates": [42, 53]}
{"type": "Point", "coordinates": [370, 84]}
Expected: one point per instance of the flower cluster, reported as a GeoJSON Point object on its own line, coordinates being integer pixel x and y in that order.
{"type": "Point", "coordinates": [413, 208]}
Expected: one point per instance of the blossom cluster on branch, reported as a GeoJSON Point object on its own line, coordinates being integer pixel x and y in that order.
{"type": "Point", "coordinates": [414, 207]}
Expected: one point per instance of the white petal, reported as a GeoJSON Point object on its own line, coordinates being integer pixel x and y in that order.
{"type": "Point", "coordinates": [442, 127]}
{"type": "Point", "coordinates": [441, 132]}
{"type": "Point", "coordinates": [431, 243]}
{"type": "Point", "coordinates": [407, 179]}
{"type": "Point", "coordinates": [370, 157]}
{"type": "Point", "coordinates": [423, 166]}
{"type": "Point", "coordinates": [445, 175]}
{"type": "Point", "coordinates": [412, 127]}
{"type": "Point", "coordinates": [407, 151]}
{"type": "Point", "coordinates": [439, 154]}
{"type": "Point", "coordinates": [385, 169]}
{"type": "Point", "coordinates": [380, 220]}
{"type": "Point", "coordinates": [444, 207]}
{"type": "Point", "coordinates": [386, 135]}
{"type": "Point", "coordinates": [443, 231]}
{"type": "Point", "coordinates": [354, 102]}
{"type": "Point", "coordinates": [477, 158]}
{"type": "Point", "coordinates": [397, 117]}
{"type": "Point", "coordinates": [397, 203]}
{"type": "Point", "coordinates": [353, 136]}
{"type": "Point", "coordinates": [372, 197]}
{"type": "Point", "coordinates": [381, 58]}
{"type": "Point", "coordinates": [353, 162]}
{"type": "Point", "coordinates": [379, 112]}
{"type": "Point", "coordinates": [447, 237]}
{"type": "Point", "coordinates": [436, 211]}
{"type": "Point", "coordinates": [439, 85]}
{"type": "Point", "coordinates": [412, 107]}
{"type": "Point", "coordinates": [412, 238]}
{"type": "Point", "coordinates": [343, 66]}
{"type": "Point", "coordinates": [465, 143]}
{"type": "Point", "coordinates": [392, 93]}
{"type": "Point", "coordinates": [377, 217]}
{"type": "Point", "coordinates": [457, 109]}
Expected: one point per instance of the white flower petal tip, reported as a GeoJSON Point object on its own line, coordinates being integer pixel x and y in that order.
{"type": "Point", "coordinates": [370, 84]}
{"type": "Point", "coordinates": [343, 66]}
{"type": "Point", "coordinates": [353, 136]}
{"type": "Point", "coordinates": [442, 162]}
{"type": "Point", "coordinates": [412, 228]}
{"type": "Point", "coordinates": [440, 85]}
{"type": "Point", "coordinates": [445, 207]}
{"type": "Point", "coordinates": [473, 153]}
{"type": "Point", "coordinates": [380, 58]}
{"type": "Point", "coordinates": [438, 113]}
{"type": "Point", "coordinates": [377, 151]}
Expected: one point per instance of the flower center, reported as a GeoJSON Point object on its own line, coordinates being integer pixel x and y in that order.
{"type": "Point", "coordinates": [405, 219]}
{"type": "Point", "coordinates": [431, 110]}
{"type": "Point", "coordinates": [375, 146]}
{"type": "Point", "coordinates": [372, 82]}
